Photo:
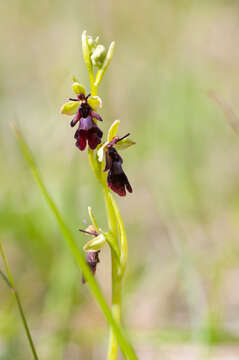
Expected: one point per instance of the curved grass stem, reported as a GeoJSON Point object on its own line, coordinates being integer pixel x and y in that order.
{"type": "Point", "coordinates": [9, 280]}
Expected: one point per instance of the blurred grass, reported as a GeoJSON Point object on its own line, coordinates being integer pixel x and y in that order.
{"type": "Point", "coordinates": [182, 218]}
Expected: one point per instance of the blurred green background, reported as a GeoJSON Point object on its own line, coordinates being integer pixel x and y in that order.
{"type": "Point", "coordinates": [181, 289]}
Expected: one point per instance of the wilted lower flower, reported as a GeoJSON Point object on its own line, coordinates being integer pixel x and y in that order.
{"type": "Point", "coordinates": [84, 107]}
{"type": "Point", "coordinates": [92, 260]}
{"type": "Point", "coordinates": [92, 248]}
{"type": "Point", "coordinates": [116, 178]}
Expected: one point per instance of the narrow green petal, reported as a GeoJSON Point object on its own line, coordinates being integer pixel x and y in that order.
{"type": "Point", "coordinates": [70, 108]}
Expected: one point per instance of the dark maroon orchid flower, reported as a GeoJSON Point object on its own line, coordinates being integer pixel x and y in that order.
{"type": "Point", "coordinates": [84, 108]}
{"type": "Point", "coordinates": [87, 129]}
{"type": "Point", "coordinates": [116, 178]}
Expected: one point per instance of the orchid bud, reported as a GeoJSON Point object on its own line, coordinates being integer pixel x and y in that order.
{"type": "Point", "coordinates": [98, 56]}
{"type": "Point", "coordinates": [106, 63]}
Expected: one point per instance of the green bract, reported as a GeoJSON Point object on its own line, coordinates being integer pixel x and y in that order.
{"type": "Point", "coordinates": [70, 108]}
{"type": "Point", "coordinates": [85, 49]}
{"type": "Point", "coordinates": [95, 244]}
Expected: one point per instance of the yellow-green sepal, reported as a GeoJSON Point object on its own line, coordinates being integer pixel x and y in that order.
{"type": "Point", "coordinates": [70, 108]}
{"type": "Point", "coordinates": [113, 130]}
{"type": "Point", "coordinates": [95, 244]}
{"type": "Point", "coordinates": [78, 88]}
{"type": "Point", "coordinates": [124, 144]}
{"type": "Point", "coordinates": [95, 102]}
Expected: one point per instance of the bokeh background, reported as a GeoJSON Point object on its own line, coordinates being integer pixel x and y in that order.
{"type": "Point", "coordinates": [181, 297]}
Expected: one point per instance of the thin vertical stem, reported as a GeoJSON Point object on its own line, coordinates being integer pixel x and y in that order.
{"type": "Point", "coordinates": [92, 83]}
{"type": "Point", "coordinates": [19, 304]}
{"type": "Point", "coordinates": [116, 310]}
{"type": "Point", "coordinates": [116, 282]}
{"type": "Point", "coordinates": [123, 238]}
{"type": "Point", "coordinates": [114, 221]}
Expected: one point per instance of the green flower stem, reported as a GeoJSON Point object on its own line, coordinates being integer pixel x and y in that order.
{"type": "Point", "coordinates": [123, 238]}
{"type": "Point", "coordinates": [116, 310]}
{"type": "Point", "coordinates": [9, 280]}
{"type": "Point", "coordinates": [116, 282]}
{"type": "Point", "coordinates": [92, 84]}
{"type": "Point", "coordinates": [114, 247]}
{"type": "Point", "coordinates": [115, 223]}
